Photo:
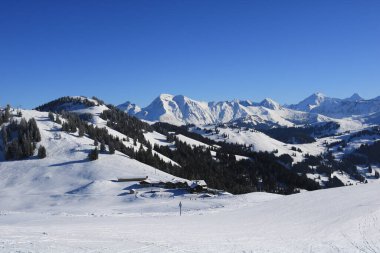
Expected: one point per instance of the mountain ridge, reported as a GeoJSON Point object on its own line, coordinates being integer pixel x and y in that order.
{"type": "Point", "coordinates": [182, 110]}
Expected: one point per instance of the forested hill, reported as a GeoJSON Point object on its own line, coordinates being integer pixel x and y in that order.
{"type": "Point", "coordinates": [217, 164]}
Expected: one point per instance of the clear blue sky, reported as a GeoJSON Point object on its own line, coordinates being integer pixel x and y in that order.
{"type": "Point", "coordinates": [207, 50]}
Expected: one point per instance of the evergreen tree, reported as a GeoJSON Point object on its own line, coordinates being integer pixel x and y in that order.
{"type": "Point", "coordinates": [81, 131]}
{"type": "Point", "coordinates": [65, 127]}
{"type": "Point", "coordinates": [58, 120]}
{"type": "Point", "coordinates": [4, 135]}
{"type": "Point", "coordinates": [55, 105]}
{"type": "Point", "coordinates": [41, 152]}
{"type": "Point", "coordinates": [19, 139]}
{"type": "Point", "coordinates": [369, 168]}
{"type": "Point", "coordinates": [26, 146]}
{"type": "Point", "coordinates": [23, 125]}
{"type": "Point", "coordinates": [51, 116]}
{"type": "Point", "coordinates": [32, 125]}
{"type": "Point", "coordinates": [93, 155]}
{"type": "Point", "coordinates": [13, 151]}
{"type": "Point", "coordinates": [7, 114]}
{"type": "Point", "coordinates": [102, 147]}
{"type": "Point", "coordinates": [111, 148]}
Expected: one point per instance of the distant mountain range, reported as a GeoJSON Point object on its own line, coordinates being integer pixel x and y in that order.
{"type": "Point", "coordinates": [338, 108]}
{"type": "Point", "coordinates": [181, 110]}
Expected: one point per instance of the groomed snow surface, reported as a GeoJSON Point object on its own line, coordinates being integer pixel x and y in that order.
{"type": "Point", "coordinates": [336, 220]}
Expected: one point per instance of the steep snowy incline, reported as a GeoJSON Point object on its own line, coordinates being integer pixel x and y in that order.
{"type": "Point", "coordinates": [176, 110]}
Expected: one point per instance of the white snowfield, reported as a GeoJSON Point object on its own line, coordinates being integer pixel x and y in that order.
{"type": "Point", "coordinates": [336, 220]}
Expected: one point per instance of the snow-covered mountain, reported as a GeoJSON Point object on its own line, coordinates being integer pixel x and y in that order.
{"type": "Point", "coordinates": [176, 110]}
{"type": "Point", "coordinates": [354, 97]}
{"type": "Point", "coordinates": [270, 104]}
{"type": "Point", "coordinates": [311, 102]}
{"type": "Point", "coordinates": [181, 110]}
{"type": "Point", "coordinates": [338, 108]}
{"type": "Point", "coordinates": [129, 108]}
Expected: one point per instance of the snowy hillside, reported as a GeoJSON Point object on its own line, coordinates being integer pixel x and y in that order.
{"type": "Point", "coordinates": [65, 169]}
{"type": "Point", "coordinates": [94, 109]}
{"type": "Point", "coordinates": [262, 142]}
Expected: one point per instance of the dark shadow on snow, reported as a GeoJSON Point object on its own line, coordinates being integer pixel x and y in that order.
{"type": "Point", "coordinates": [78, 190]}
{"type": "Point", "coordinates": [67, 163]}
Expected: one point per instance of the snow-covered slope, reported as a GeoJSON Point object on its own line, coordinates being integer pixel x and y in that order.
{"type": "Point", "coordinates": [95, 109]}
{"type": "Point", "coordinates": [66, 168]}
{"type": "Point", "coordinates": [336, 220]}
{"type": "Point", "coordinates": [262, 142]}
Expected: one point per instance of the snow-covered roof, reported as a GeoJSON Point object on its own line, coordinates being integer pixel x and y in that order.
{"type": "Point", "coordinates": [196, 183]}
